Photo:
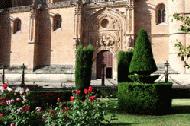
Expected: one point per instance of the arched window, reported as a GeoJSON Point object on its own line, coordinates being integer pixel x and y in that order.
{"type": "Point", "coordinates": [16, 25]}
{"type": "Point", "coordinates": [57, 22]}
{"type": "Point", "coordinates": [160, 13]}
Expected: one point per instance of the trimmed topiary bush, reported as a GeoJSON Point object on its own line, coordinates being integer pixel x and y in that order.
{"type": "Point", "coordinates": [143, 79]}
{"type": "Point", "coordinates": [124, 59]}
{"type": "Point", "coordinates": [83, 66]}
{"type": "Point", "coordinates": [138, 98]}
{"type": "Point", "coordinates": [142, 62]}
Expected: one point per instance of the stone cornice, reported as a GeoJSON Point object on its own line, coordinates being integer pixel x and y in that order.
{"type": "Point", "coordinates": [16, 9]}
{"type": "Point", "coordinates": [65, 4]}
{"type": "Point", "coordinates": [49, 6]}
{"type": "Point", "coordinates": [61, 4]}
{"type": "Point", "coordinates": [20, 9]}
{"type": "Point", "coordinates": [108, 4]}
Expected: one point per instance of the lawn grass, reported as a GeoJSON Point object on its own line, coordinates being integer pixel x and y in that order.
{"type": "Point", "coordinates": [180, 116]}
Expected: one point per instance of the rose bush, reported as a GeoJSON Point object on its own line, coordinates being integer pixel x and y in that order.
{"type": "Point", "coordinates": [87, 111]}
{"type": "Point", "coordinates": [83, 109]}
{"type": "Point", "coordinates": [15, 108]}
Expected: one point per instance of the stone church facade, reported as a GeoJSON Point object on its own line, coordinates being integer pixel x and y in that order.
{"type": "Point", "coordinates": [46, 32]}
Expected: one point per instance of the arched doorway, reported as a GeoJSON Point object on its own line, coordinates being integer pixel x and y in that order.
{"type": "Point", "coordinates": [104, 63]}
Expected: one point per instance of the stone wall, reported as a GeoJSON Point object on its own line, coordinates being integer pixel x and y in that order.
{"type": "Point", "coordinates": [145, 14]}
{"type": "Point", "coordinates": [63, 39]}
{"type": "Point", "coordinates": [57, 47]}
{"type": "Point", "coordinates": [20, 40]}
{"type": "Point", "coordinates": [37, 44]}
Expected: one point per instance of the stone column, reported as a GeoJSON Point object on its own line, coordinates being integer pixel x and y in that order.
{"type": "Point", "coordinates": [175, 6]}
{"type": "Point", "coordinates": [32, 40]}
{"type": "Point", "coordinates": [130, 24]}
{"type": "Point", "coordinates": [78, 22]}
{"type": "Point", "coordinates": [114, 66]}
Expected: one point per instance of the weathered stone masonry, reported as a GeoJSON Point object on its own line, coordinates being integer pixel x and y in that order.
{"type": "Point", "coordinates": [51, 29]}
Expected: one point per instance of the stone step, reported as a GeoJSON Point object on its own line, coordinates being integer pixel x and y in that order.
{"type": "Point", "coordinates": [34, 77]}
{"type": "Point", "coordinates": [161, 70]}
{"type": "Point", "coordinates": [53, 69]}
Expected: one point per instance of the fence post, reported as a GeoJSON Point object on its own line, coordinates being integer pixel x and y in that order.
{"type": "Point", "coordinates": [23, 75]}
{"type": "Point", "coordinates": [103, 74]}
{"type": "Point", "coordinates": [166, 71]}
{"type": "Point", "coordinates": [3, 75]}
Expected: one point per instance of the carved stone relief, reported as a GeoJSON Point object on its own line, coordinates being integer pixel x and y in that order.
{"type": "Point", "coordinates": [105, 30]}
{"type": "Point", "coordinates": [107, 40]}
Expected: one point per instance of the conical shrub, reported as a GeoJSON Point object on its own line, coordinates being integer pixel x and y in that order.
{"type": "Point", "coordinates": [83, 66]}
{"type": "Point", "coordinates": [142, 62]}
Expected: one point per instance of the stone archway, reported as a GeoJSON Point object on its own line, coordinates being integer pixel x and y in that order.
{"type": "Point", "coordinates": [105, 32]}
{"type": "Point", "coordinates": [104, 63]}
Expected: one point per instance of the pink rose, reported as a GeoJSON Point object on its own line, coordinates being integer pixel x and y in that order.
{"type": "Point", "coordinates": [90, 89]}
{"type": "Point", "coordinates": [72, 98]}
{"type": "Point", "coordinates": [5, 85]}
{"type": "Point", "coordinates": [85, 91]}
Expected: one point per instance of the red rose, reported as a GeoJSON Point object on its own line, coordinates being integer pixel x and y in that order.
{"type": "Point", "coordinates": [5, 85]}
{"type": "Point", "coordinates": [72, 98]}
{"type": "Point", "coordinates": [85, 91]}
{"type": "Point", "coordinates": [77, 92]}
{"type": "Point", "coordinates": [92, 98]}
{"type": "Point", "coordinates": [90, 89]}
{"type": "Point", "coordinates": [26, 108]}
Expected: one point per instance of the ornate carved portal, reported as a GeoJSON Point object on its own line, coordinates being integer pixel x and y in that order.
{"type": "Point", "coordinates": [105, 28]}
{"type": "Point", "coordinates": [104, 63]}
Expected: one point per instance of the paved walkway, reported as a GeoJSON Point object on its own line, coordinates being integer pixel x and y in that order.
{"type": "Point", "coordinates": [177, 79]}
{"type": "Point", "coordinates": [62, 80]}
{"type": "Point", "coordinates": [51, 84]}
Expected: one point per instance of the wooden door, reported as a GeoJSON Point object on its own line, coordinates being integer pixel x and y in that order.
{"type": "Point", "coordinates": [104, 57]}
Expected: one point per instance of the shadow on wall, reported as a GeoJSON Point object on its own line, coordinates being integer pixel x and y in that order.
{"type": "Point", "coordinates": [5, 4]}
{"type": "Point", "coordinates": [143, 8]}
{"type": "Point", "coordinates": [5, 39]}
{"type": "Point", "coordinates": [43, 47]}
{"type": "Point", "coordinates": [14, 3]}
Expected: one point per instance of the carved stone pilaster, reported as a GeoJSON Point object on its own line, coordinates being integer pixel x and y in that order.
{"type": "Point", "coordinates": [77, 22]}
{"type": "Point", "coordinates": [32, 27]}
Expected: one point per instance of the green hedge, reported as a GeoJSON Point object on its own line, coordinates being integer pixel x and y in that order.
{"type": "Point", "coordinates": [124, 59]}
{"type": "Point", "coordinates": [106, 91]}
{"type": "Point", "coordinates": [143, 78]}
{"type": "Point", "coordinates": [45, 98]}
{"type": "Point", "coordinates": [83, 66]}
{"type": "Point", "coordinates": [138, 98]}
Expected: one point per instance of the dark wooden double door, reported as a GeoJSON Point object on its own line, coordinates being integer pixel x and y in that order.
{"type": "Point", "coordinates": [104, 64]}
